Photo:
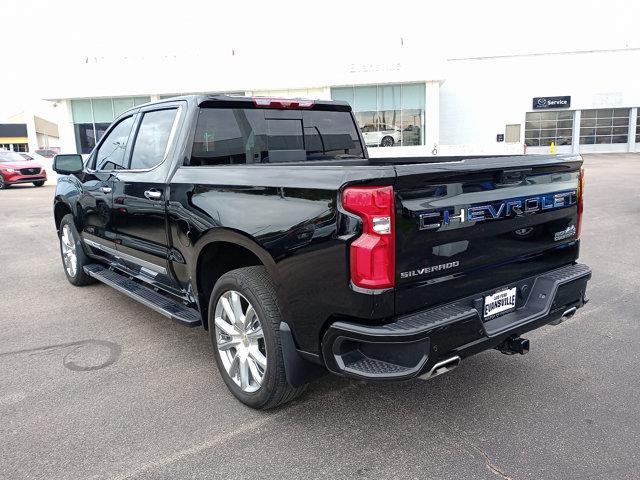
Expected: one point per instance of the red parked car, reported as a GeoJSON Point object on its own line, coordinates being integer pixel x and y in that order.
{"type": "Point", "coordinates": [15, 169]}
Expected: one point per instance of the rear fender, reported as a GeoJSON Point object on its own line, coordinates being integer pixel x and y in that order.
{"type": "Point", "coordinates": [234, 237]}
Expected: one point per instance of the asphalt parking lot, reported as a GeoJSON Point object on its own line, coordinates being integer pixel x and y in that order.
{"type": "Point", "coordinates": [95, 385]}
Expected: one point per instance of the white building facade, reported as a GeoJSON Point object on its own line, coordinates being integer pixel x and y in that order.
{"type": "Point", "coordinates": [575, 102]}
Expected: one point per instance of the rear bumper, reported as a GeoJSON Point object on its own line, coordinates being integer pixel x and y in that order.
{"type": "Point", "coordinates": [412, 344]}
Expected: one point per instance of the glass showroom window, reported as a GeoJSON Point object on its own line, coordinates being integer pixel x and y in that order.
{"type": "Point", "coordinates": [604, 126]}
{"type": "Point", "coordinates": [388, 115]}
{"type": "Point", "coordinates": [92, 117]}
{"type": "Point", "coordinates": [542, 128]}
{"type": "Point", "coordinates": [15, 147]}
{"type": "Point", "coordinates": [638, 128]}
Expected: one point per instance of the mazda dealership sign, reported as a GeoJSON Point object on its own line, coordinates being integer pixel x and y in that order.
{"type": "Point", "coordinates": [551, 102]}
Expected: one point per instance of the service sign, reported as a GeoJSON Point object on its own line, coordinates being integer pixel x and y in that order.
{"type": "Point", "coordinates": [540, 103]}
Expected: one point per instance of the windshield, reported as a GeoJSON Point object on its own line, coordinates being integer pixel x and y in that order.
{"type": "Point", "coordinates": [226, 136]}
{"type": "Point", "coordinates": [9, 157]}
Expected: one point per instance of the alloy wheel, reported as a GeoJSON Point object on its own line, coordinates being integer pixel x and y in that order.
{"type": "Point", "coordinates": [240, 341]}
{"type": "Point", "coordinates": [69, 256]}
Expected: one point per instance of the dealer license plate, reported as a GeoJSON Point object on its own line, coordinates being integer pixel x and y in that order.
{"type": "Point", "coordinates": [499, 303]}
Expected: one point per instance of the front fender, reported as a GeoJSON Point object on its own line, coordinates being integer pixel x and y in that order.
{"type": "Point", "coordinates": [65, 200]}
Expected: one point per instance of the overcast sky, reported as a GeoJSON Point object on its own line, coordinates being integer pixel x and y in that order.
{"type": "Point", "coordinates": [40, 38]}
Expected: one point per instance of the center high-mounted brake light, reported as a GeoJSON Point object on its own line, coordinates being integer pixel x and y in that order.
{"type": "Point", "coordinates": [580, 201]}
{"type": "Point", "coordinates": [372, 254]}
{"type": "Point", "coordinates": [282, 103]}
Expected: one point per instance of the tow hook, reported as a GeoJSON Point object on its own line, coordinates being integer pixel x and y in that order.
{"type": "Point", "coordinates": [513, 345]}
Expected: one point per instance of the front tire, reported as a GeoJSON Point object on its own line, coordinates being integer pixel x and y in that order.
{"type": "Point", "coordinates": [244, 325]}
{"type": "Point", "coordinates": [387, 141]}
{"type": "Point", "coordinates": [38, 184]}
{"type": "Point", "coordinates": [3, 184]}
{"type": "Point", "coordinates": [73, 257]}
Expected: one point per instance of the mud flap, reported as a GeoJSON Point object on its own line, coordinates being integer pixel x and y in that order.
{"type": "Point", "coordinates": [299, 370]}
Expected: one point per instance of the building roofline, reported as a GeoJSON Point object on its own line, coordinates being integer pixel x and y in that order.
{"type": "Point", "coordinates": [542, 54]}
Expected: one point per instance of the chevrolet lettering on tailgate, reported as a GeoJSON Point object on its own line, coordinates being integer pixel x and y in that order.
{"type": "Point", "coordinates": [509, 208]}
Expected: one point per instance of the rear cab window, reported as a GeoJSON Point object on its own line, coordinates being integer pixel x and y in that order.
{"type": "Point", "coordinates": [232, 136]}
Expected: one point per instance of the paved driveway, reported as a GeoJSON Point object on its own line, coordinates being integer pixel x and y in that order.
{"type": "Point", "coordinates": [94, 385]}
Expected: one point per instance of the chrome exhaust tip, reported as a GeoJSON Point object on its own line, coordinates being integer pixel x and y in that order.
{"type": "Point", "coordinates": [442, 367]}
{"type": "Point", "coordinates": [567, 314]}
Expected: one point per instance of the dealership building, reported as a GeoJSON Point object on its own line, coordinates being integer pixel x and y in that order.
{"type": "Point", "coordinates": [568, 102]}
{"type": "Point", "coordinates": [28, 133]}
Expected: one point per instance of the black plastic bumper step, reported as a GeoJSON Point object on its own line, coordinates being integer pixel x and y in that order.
{"type": "Point", "coordinates": [160, 303]}
{"type": "Point", "coordinates": [374, 367]}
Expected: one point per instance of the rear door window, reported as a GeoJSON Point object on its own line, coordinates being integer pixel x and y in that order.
{"type": "Point", "coordinates": [152, 141]}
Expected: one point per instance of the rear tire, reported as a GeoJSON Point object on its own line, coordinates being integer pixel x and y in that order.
{"type": "Point", "coordinates": [73, 257]}
{"type": "Point", "coordinates": [38, 184]}
{"type": "Point", "coordinates": [253, 342]}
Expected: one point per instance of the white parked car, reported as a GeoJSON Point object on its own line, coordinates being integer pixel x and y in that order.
{"type": "Point", "coordinates": [381, 135]}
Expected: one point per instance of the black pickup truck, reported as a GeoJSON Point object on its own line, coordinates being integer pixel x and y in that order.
{"type": "Point", "coordinates": [265, 221]}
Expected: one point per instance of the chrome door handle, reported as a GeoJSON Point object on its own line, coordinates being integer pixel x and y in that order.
{"type": "Point", "coordinates": [105, 189]}
{"type": "Point", "coordinates": [153, 194]}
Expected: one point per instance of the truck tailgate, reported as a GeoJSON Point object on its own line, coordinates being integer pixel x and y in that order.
{"type": "Point", "coordinates": [467, 226]}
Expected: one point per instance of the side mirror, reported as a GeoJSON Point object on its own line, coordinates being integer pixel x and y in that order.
{"type": "Point", "coordinates": [68, 164]}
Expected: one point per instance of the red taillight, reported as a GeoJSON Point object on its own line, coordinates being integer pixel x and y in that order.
{"type": "Point", "coordinates": [372, 254]}
{"type": "Point", "coordinates": [580, 201]}
{"type": "Point", "coordinates": [282, 103]}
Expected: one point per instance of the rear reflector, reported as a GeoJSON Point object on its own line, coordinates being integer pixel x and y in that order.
{"type": "Point", "coordinates": [580, 201]}
{"type": "Point", "coordinates": [372, 254]}
{"type": "Point", "coordinates": [282, 103]}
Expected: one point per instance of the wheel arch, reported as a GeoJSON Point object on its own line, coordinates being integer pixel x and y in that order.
{"type": "Point", "coordinates": [219, 251]}
{"type": "Point", "coordinates": [60, 209]}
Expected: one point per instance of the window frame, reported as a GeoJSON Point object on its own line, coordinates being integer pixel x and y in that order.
{"type": "Point", "coordinates": [138, 114]}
